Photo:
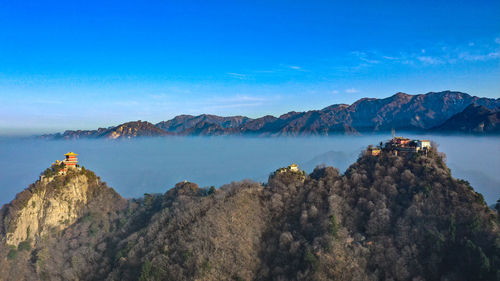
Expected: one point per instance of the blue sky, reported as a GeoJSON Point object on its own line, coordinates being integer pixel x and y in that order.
{"type": "Point", "coordinates": [87, 64]}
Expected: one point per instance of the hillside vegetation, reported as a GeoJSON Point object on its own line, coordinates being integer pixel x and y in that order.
{"type": "Point", "coordinates": [386, 218]}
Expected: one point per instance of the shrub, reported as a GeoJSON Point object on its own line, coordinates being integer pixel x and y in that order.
{"type": "Point", "coordinates": [211, 190]}
{"type": "Point", "coordinates": [12, 254]}
{"type": "Point", "coordinates": [148, 199]}
{"type": "Point", "coordinates": [238, 278]}
{"type": "Point", "coordinates": [334, 228]}
{"type": "Point", "coordinates": [148, 272]}
{"type": "Point", "coordinates": [25, 245]}
{"type": "Point", "coordinates": [311, 260]}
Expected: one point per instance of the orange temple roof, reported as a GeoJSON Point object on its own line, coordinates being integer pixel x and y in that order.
{"type": "Point", "coordinates": [70, 154]}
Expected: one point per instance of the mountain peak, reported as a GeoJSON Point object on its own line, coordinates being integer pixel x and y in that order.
{"type": "Point", "coordinates": [54, 203]}
{"type": "Point", "coordinates": [401, 94]}
{"type": "Point", "coordinates": [134, 129]}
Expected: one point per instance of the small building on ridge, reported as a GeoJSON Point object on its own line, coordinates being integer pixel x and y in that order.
{"type": "Point", "coordinates": [71, 160]}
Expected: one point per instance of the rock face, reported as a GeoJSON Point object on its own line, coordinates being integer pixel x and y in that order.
{"type": "Point", "coordinates": [45, 211]}
{"type": "Point", "coordinates": [400, 111]}
{"type": "Point", "coordinates": [49, 206]}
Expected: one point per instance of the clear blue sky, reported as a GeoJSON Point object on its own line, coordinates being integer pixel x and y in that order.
{"type": "Point", "coordinates": [85, 64]}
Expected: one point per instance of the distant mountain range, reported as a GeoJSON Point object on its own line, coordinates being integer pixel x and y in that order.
{"type": "Point", "coordinates": [474, 119]}
{"type": "Point", "coordinates": [447, 111]}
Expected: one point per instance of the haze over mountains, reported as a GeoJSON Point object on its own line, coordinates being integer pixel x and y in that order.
{"type": "Point", "coordinates": [435, 111]}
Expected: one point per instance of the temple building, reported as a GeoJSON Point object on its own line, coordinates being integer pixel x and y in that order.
{"type": "Point", "coordinates": [71, 160]}
{"type": "Point", "coordinates": [400, 141]}
{"type": "Point", "coordinates": [424, 144]}
{"type": "Point", "coordinates": [374, 151]}
{"type": "Point", "coordinates": [400, 145]}
{"type": "Point", "coordinates": [61, 167]}
{"type": "Point", "coordinates": [292, 168]}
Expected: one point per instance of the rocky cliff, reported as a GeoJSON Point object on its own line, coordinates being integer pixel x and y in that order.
{"type": "Point", "coordinates": [51, 205]}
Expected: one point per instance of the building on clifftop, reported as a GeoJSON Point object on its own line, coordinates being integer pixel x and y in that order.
{"type": "Point", "coordinates": [400, 145]}
{"type": "Point", "coordinates": [71, 160]}
{"type": "Point", "coordinates": [294, 167]}
{"type": "Point", "coordinates": [374, 151]}
{"type": "Point", "coordinates": [424, 144]}
{"type": "Point", "coordinates": [60, 167]}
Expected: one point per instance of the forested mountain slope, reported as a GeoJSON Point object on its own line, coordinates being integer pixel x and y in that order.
{"type": "Point", "coordinates": [386, 218]}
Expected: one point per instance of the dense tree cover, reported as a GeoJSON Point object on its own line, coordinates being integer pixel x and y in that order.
{"type": "Point", "coordinates": [386, 218]}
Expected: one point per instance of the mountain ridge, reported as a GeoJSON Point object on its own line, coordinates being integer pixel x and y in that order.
{"type": "Point", "coordinates": [403, 112]}
{"type": "Point", "coordinates": [475, 119]}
